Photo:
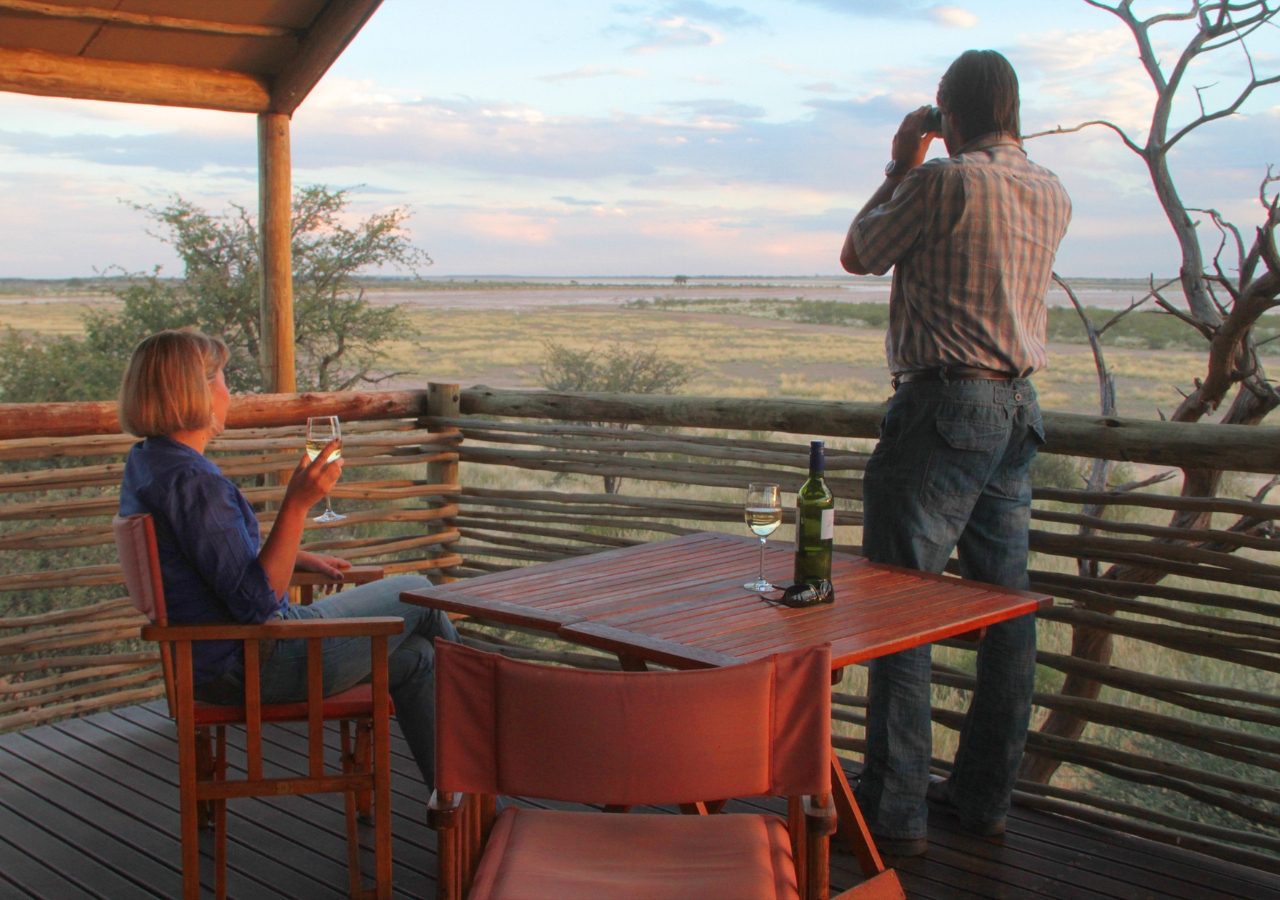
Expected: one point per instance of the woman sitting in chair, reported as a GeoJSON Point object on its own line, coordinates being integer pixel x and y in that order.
{"type": "Point", "coordinates": [214, 567]}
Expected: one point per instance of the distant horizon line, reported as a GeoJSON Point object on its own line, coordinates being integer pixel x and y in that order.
{"type": "Point", "coordinates": [566, 278]}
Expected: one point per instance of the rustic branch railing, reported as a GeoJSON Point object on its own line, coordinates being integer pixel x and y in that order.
{"type": "Point", "coordinates": [67, 635]}
{"type": "Point", "coordinates": [1181, 744]}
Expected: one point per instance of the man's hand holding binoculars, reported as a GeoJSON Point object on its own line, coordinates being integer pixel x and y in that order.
{"type": "Point", "coordinates": [911, 143]}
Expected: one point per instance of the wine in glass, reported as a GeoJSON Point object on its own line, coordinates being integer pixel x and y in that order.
{"type": "Point", "coordinates": [321, 430]}
{"type": "Point", "coordinates": [764, 515]}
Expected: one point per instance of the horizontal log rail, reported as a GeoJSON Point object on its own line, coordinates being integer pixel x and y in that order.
{"type": "Point", "coordinates": [1057, 582]}
{"type": "Point", "coordinates": [1247, 449]}
{"type": "Point", "coordinates": [1157, 611]}
{"type": "Point", "coordinates": [1189, 704]}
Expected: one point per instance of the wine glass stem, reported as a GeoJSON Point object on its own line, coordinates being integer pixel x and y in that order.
{"type": "Point", "coordinates": [762, 540]}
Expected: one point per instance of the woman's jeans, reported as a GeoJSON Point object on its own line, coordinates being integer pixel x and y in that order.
{"type": "Point", "coordinates": [410, 663]}
{"type": "Point", "coordinates": [951, 471]}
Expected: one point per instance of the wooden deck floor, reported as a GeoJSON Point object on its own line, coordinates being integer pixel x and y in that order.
{"type": "Point", "coordinates": [88, 808]}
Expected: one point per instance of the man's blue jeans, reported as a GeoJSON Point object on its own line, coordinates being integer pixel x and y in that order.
{"type": "Point", "coordinates": [951, 471]}
{"type": "Point", "coordinates": [411, 660]}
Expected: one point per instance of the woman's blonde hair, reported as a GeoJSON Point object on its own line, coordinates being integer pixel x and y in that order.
{"type": "Point", "coordinates": [166, 385]}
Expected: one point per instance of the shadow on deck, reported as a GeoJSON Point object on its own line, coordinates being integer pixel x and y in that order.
{"type": "Point", "coordinates": [89, 808]}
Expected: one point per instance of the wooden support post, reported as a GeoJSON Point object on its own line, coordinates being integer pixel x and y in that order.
{"type": "Point", "coordinates": [443, 400]}
{"type": "Point", "coordinates": [275, 252]}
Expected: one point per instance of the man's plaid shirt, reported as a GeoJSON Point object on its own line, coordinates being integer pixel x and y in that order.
{"type": "Point", "coordinates": [972, 238]}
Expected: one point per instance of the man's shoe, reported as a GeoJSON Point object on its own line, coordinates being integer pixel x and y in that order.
{"type": "Point", "coordinates": [900, 847]}
{"type": "Point", "coordinates": [939, 791]}
{"type": "Point", "coordinates": [994, 828]}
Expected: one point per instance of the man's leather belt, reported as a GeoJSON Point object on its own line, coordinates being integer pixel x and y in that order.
{"type": "Point", "coordinates": [952, 373]}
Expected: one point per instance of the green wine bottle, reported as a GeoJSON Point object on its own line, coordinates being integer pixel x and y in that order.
{"type": "Point", "coordinates": [815, 522]}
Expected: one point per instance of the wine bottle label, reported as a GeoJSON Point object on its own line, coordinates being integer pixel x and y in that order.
{"type": "Point", "coordinates": [828, 524]}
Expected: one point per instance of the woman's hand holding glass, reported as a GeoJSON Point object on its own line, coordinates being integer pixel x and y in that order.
{"type": "Point", "coordinates": [324, 446]}
{"type": "Point", "coordinates": [314, 478]}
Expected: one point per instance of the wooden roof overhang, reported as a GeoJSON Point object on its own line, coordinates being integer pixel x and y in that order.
{"type": "Point", "coordinates": [260, 57]}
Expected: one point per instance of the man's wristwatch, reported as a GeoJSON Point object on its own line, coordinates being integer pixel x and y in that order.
{"type": "Point", "coordinates": [893, 167]}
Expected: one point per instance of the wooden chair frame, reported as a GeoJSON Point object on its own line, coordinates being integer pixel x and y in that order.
{"type": "Point", "coordinates": [204, 781]}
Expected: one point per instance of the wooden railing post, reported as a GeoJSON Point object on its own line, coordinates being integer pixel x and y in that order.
{"type": "Point", "coordinates": [275, 234]}
{"type": "Point", "coordinates": [445, 401]}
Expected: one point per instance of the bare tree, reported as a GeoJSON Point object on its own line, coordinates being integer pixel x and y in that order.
{"type": "Point", "coordinates": [1223, 300]}
{"type": "Point", "coordinates": [1224, 292]}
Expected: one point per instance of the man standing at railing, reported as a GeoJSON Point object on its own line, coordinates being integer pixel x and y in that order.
{"type": "Point", "coordinates": [971, 238]}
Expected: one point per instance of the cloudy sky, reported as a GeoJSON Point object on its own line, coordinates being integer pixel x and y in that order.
{"type": "Point", "coordinates": [588, 138]}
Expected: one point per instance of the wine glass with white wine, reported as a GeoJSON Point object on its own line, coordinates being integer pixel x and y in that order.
{"type": "Point", "coordinates": [763, 514]}
{"type": "Point", "coordinates": [320, 431]}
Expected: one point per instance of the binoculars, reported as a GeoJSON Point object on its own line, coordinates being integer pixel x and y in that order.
{"type": "Point", "coordinates": [932, 121]}
{"type": "Point", "coordinates": [803, 594]}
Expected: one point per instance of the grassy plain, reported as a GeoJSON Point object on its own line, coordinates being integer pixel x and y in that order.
{"type": "Point", "coordinates": [736, 340]}
{"type": "Point", "coordinates": [743, 355]}
{"type": "Point", "coordinates": [59, 315]}
{"type": "Point", "coordinates": [739, 337]}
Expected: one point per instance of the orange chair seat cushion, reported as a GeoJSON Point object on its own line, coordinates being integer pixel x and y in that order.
{"type": "Point", "coordinates": [353, 703]}
{"type": "Point", "coordinates": [569, 855]}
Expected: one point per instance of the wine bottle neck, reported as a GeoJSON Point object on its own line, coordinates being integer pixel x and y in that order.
{"type": "Point", "coordinates": [817, 462]}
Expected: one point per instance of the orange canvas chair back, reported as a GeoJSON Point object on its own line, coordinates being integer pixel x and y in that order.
{"type": "Point", "coordinates": [136, 546]}
{"type": "Point", "coordinates": [633, 738]}
{"type": "Point", "coordinates": [625, 739]}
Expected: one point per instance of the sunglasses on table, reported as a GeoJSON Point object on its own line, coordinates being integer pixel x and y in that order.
{"type": "Point", "coordinates": [803, 594]}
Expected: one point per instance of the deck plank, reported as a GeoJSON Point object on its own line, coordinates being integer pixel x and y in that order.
{"type": "Point", "coordinates": [312, 825]}
{"type": "Point", "coordinates": [89, 808]}
{"type": "Point", "coordinates": [29, 864]}
{"type": "Point", "coordinates": [254, 828]}
{"type": "Point", "coordinates": [69, 841]}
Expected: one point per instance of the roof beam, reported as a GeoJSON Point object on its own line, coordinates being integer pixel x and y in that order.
{"type": "Point", "coordinates": [96, 15]}
{"type": "Point", "coordinates": [324, 42]}
{"type": "Point", "coordinates": [55, 75]}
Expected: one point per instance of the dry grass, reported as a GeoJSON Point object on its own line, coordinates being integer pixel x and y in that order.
{"type": "Point", "coordinates": [741, 356]}
{"type": "Point", "coordinates": [53, 316]}
{"type": "Point", "coordinates": [727, 353]}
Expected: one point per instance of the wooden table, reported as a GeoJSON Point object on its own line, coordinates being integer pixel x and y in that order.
{"type": "Point", "coordinates": [681, 603]}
